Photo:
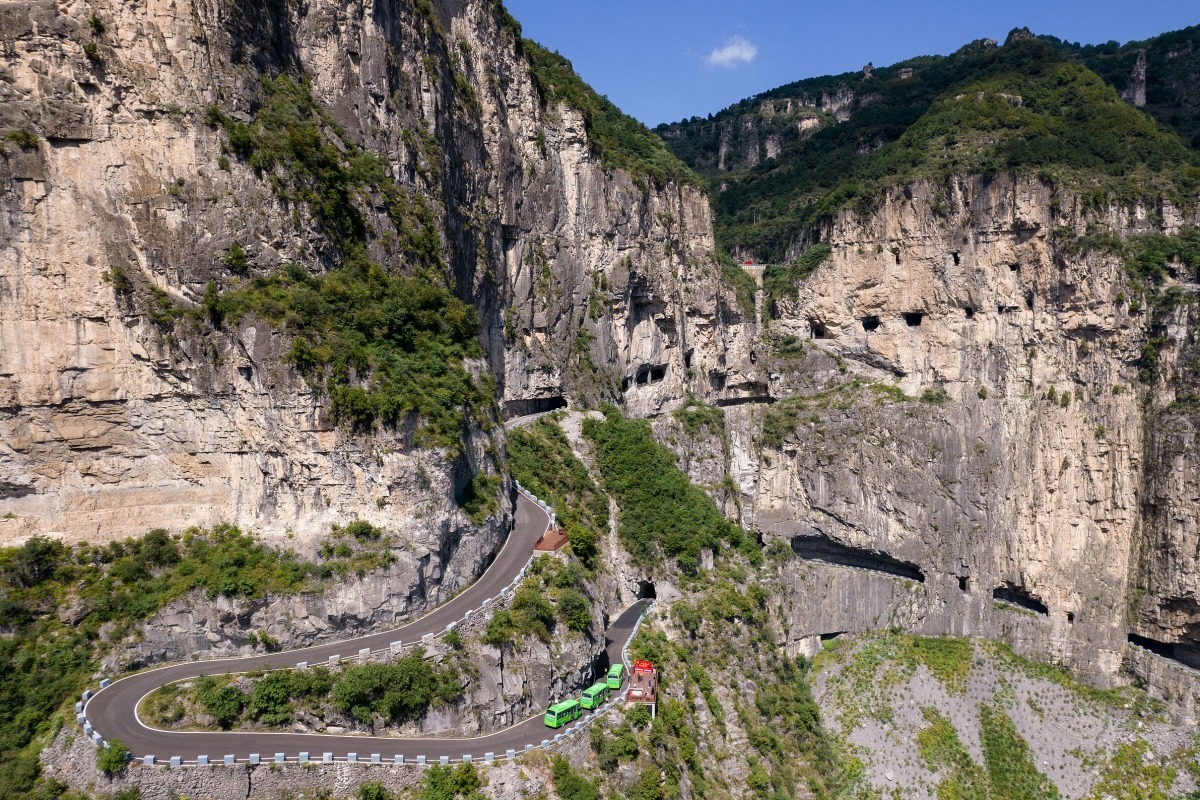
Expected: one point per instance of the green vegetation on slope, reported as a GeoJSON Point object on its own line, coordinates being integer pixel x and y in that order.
{"type": "Point", "coordinates": [540, 457]}
{"type": "Point", "coordinates": [942, 751]}
{"type": "Point", "coordinates": [1011, 770]}
{"type": "Point", "coordinates": [382, 344]}
{"type": "Point", "coordinates": [619, 140]}
{"type": "Point", "coordinates": [550, 594]}
{"type": "Point", "coordinates": [1068, 125]}
{"type": "Point", "coordinates": [48, 661]}
{"type": "Point", "coordinates": [662, 512]}
{"type": "Point", "coordinates": [395, 692]}
{"type": "Point", "coordinates": [1057, 119]}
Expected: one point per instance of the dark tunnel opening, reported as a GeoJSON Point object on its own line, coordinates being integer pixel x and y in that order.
{"type": "Point", "coordinates": [826, 550]}
{"type": "Point", "coordinates": [1015, 595]}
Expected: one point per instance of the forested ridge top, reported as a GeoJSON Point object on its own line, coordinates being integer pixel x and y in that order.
{"type": "Point", "coordinates": [778, 160]}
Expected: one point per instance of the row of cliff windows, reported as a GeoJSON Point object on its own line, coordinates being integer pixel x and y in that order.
{"type": "Point", "coordinates": [912, 319]}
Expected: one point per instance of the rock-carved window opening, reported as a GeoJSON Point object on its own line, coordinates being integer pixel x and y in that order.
{"type": "Point", "coordinates": [657, 374]}
{"type": "Point", "coordinates": [643, 376]}
{"type": "Point", "coordinates": [964, 584]}
{"type": "Point", "coordinates": [970, 312]}
{"type": "Point", "coordinates": [896, 253]}
{"type": "Point", "coordinates": [1014, 267]}
{"type": "Point", "coordinates": [1071, 617]}
{"type": "Point", "coordinates": [913, 318]}
{"type": "Point", "coordinates": [816, 329]}
{"type": "Point", "coordinates": [870, 323]}
{"type": "Point", "coordinates": [957, 258]}
{"type": "Point", "coordinates": [1029, 301]}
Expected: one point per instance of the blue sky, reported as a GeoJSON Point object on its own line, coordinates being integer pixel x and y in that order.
{"type": "Point", "coordinates": [665, 60]}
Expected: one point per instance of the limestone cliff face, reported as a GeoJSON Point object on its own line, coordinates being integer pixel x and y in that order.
{"type": "Point", "coordinates": [111, 424]}
{"type": "Point", "coordinates": [966, 411]}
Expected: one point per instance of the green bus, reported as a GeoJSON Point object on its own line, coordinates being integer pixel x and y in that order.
{"type": "Point", "coordinates": [616, 676]}
{"type": "Point", "coordinates": [594, 696]}
{"type": "Point", "coordinates": [560, 714]}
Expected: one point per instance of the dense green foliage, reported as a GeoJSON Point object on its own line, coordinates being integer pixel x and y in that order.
{"type": "Point", "coordinates": [451, 783]}
{"type": "Point", "coordinates": [1172, 75]}
{"type": "Point", "coordinates": [540, 457]}
{"type": "Point", "coordinates": [112, 758]}
{"type": "Point", "coordinates": [271, 699]}
{"type": "Point", "coordinates": [662, 513]}
{"type": "Point", "coordinates": [382, 344]}
{"type": "Point", "coordinates": [619, 140]}
{"type": "Point", "coordinates": [549, 595]}
{"type": "Point", "coordinates": [399, 691]}
{"type": "Point", "coordinates": [1066, 125]}
{"type": "Point", "coordinates": [1058, 119]}
{"type": "Point", "coordinates": [48, 661]}
{"type": "Point", "coordinates": [569, 784]}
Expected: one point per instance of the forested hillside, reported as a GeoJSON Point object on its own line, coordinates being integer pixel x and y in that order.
{"type": "Point", "coordinates": [779, 161]}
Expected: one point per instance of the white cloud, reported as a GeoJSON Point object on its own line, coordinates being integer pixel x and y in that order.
{"type": "Point", "coordinates": [736, 50]}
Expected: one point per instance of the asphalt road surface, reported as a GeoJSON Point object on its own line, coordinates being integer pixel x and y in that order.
{"type": "Point", "coordinates": [113, 710]}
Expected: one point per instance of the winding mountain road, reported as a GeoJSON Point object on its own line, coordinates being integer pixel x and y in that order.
{"type": "Point", "coordinates": [112, 711]}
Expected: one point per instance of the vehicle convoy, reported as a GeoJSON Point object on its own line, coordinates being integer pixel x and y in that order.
{"type": "Point", "coordinates": [642, 690]}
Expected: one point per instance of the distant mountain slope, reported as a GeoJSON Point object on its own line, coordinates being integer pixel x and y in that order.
{"type": "Point", "coordinates": [774, 160]}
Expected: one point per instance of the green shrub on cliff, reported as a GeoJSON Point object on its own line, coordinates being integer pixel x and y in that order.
{"type": "Point", "coordinates": [383, 344]}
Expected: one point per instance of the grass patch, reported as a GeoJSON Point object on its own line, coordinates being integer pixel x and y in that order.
{"type": "Point", "coordinates": [1011, 771]}
{"type": "Point", "coordinates": [942, 751]}
{"type": "Point", "coordinates": [1133, 774]}
{"type": "Point", "coordinates": [1118, 697]}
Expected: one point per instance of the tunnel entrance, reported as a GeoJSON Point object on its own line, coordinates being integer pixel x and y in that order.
{"type": "Point", "coordinates": [824, 549]}
{"type": "Point", "coordinates": [913, 319]}
{"type": "Point", "coordinates": [532, 405]}
{"type": "Point", "coordinates": [1017, 596]}
{"type": "Point", "coordinates": [1186, 654]}
{"type": "Point", "coordinates": [870, 323]}
{"type": "Point", "coordinates": [646, 591]}
{"type": "Point", "coordinates": [1179, 651]}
